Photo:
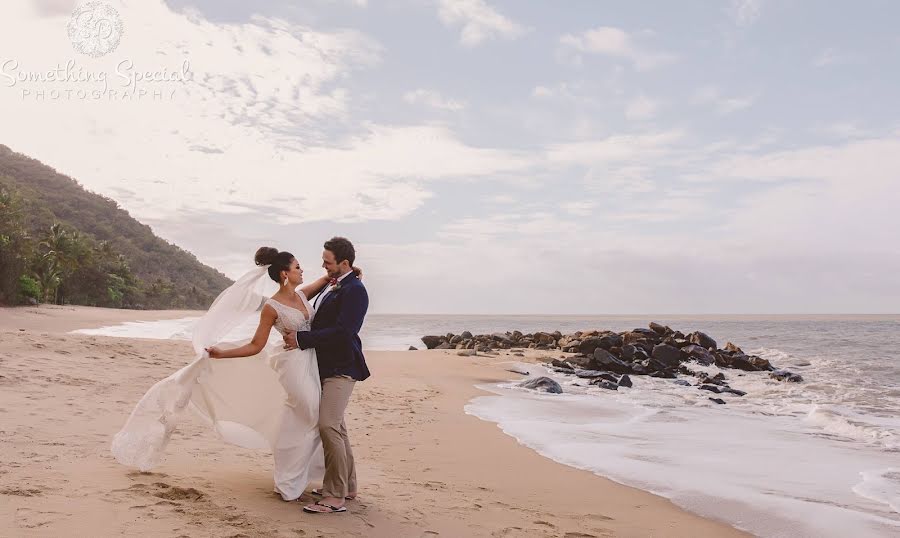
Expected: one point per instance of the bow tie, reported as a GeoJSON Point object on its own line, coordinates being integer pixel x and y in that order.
{"type": "Point", "coordinates": [333, 282]}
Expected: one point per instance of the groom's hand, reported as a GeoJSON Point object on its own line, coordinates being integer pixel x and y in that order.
{"type": "Point", "coordinates": [290, 341]}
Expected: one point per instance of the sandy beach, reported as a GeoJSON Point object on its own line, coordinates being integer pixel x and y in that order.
{"type": "Point", "coordinates": [425, 467]}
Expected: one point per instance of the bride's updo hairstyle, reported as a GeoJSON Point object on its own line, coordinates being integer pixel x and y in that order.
{"type": "Point", "coordinates": [277, 261]}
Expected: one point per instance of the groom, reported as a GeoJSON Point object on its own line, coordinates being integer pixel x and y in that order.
{"type": "Point", "coordinates": [340, 310]}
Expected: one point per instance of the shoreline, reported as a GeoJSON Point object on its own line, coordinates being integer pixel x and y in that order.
{"type": "Point", "coordinates": [66, 318]}
{"type": "Point", "coordinates": [425, 465]}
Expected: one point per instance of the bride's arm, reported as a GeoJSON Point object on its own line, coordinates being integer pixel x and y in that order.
{"type": "Point", "coordinates": [266, 321]}
{"type": "Point", "coordinates": [315, 287]}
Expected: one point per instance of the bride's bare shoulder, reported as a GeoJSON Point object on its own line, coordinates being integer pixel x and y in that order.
{"type": "Point", "coordinates": [268, 308]}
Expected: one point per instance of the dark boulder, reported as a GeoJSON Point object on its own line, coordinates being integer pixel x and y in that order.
{"type": "Point", "coordinates": [589, 344]}
{"type": "Point", "coordinates": [683, 382]}
{"type": "Point", "coordinates": [413, 348]}
{"type": "Point", "coordinates": [605, 376]}
{"type": "Point", "coordinates": [736, 392]}
{"type": "Point", "coordinates": [719, 401]}
{"type": "Point", "coordinates": [731, 348]}
{"type": "Point", "coordinates": [432, 342]}
{"type": "Point", "coordinates": [702, 339]}
{"type": "Point", "coordinates": [704, 379]}
{"type": "Point", "coordinates": [580, 361]}
{"type": "Point", "coordinates": [542, 384]}
{"type": "Point", "coordinates": [544, 339]}
{"type": "Point", "coordinates": [561, 364]}
{"type": "Point", "coordinates": [610, 341]}
{"type": "Point", "coordinates": [625, 381]}
{"type": "Point", "coordinates": [502, 339]}
{"type": "Point", "coordinates": [640, 335]}
{"type": "Point", "coordinates": [604, 384]}
{"type": "Point", "coordinates": [661, 330]}
{"type": "Point", "coordinates": [607, 361]}
{"type": "Point", "coordinates": [785, 375]}
{"type": "Point", "coordinates": [698, 353]}
{"type": "Point", "coordinates": [723, 360]}
{"type": "Point", "coordinates": [466, 335]}
{"type": "Point", "coordinates": [761, 363]}
{"type": "Point", "coordinates": [588, 374]}
{"type": "Point", "coordinates": [711, 388]}
{"type": "Point", "coordinates": [632, 352]}
{"type": "Point", "coordinates": [666, 354]}
{"type": "Point", "coordinates": [639, 369]}
{"type": "Point", "coordinates": [742, 362]}
{"type": "Point", "coordinates": [444, 345]}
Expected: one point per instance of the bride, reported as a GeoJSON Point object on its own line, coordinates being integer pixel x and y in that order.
{"type": "Point", "coordinates": [270, 399]}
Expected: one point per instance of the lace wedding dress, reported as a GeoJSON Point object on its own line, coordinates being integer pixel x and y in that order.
{"type": "Point", "coordinates": [270, 400]}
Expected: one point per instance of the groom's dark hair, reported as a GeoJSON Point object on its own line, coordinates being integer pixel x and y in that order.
{"type": "Point", "coordinates": [342, 249]}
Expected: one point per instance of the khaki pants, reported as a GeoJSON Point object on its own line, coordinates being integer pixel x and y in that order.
{"type": "Point", "coordinates": [340, 471]}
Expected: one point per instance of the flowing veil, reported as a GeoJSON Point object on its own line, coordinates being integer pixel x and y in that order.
{"type": "Point", "coordinates": [242, 399]}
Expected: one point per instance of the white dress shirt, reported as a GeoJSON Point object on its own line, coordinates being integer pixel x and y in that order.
{"type": "Point", "coordinates": [328, 289]}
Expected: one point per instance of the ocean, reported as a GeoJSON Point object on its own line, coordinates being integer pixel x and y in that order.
{"type": "Point", "coordinates": [819, 458]}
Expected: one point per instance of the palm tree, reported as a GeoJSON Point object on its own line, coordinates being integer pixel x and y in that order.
{"type": "Point", "coordinates": [49, 276]}
{"type": "Point", "coordinates": [64, 251]}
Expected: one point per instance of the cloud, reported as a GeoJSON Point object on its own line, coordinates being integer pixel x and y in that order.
{"type": "Point", "coordinates": [746, 12]}
{"type": "Point", "coordinates": [433, 99]}
{"type": "Point", "coordinates": [805, 240]}
{"type": "Point", "coordinates": [257, 130]}
{"type": "Point", "coordinates": [618, 148]}
{"type": "Point", "coordinates": [581, 208]}
{"type": "Point", "coordinates": [849, 167]}
{"type": "Point", "coordinates": [480, 22]}
{"type": "Point", "coordinates": [843, 130]}
{"type": "Point", "coordinates": [723, 105]}
{"type": "Point", "coordinates": [831, 56]}
{"type": "Point", "coordinates": [617, 43]}
{"type": "Point", "coordinates": [641, 108]}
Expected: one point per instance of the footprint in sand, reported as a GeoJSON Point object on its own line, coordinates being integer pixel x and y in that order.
{"type": "Point", "coordinates": [32, 519]}
{"type": "Point", "coordinates": [21, 492]}
{"type": "Point", "coordinates": [175, 493]}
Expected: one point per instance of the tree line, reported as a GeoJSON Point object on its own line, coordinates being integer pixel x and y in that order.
{"type": "Point", "coordinates": [62, 265]}
{"type": "Point", "coordinates": [62, 244]}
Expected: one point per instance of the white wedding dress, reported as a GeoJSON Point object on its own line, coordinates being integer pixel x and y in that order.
{"type": "Point", "coordinates": [270, 400]}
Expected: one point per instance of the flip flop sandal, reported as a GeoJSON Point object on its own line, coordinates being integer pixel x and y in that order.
{"type": "Point", "coordinates": [331, 509]}
{"type": "Point", "coordinates": [319, 494]}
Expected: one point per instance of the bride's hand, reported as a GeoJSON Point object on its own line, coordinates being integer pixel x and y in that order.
{"type": "Point", "coordinates": [214, 352]}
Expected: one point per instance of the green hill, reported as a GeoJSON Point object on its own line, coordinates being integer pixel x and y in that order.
{"type": "Point", "coordinates": [61, 243]}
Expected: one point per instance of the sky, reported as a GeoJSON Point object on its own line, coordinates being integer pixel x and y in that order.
{"type": "Point", "coordinates": [494, 156]}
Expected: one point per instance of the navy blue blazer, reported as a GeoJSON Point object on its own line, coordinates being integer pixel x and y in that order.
{"type": "Point", "coordinates": [335, 331]}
